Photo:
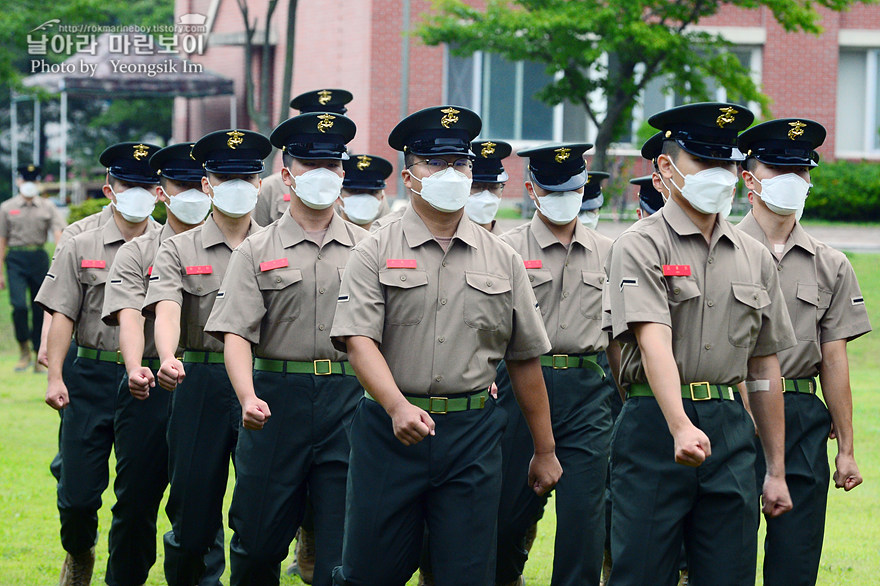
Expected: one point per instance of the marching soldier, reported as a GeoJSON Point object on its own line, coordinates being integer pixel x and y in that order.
{"type": "Point", "coordinates": [593, 199]}
{"type": "Point", "coordinates": [650, 200]}
{"type": "Point", "coordinates": [565, 261]}
{"type": "Point", "coordinates": [362, 199]}
{"type": "Point", "coordinates": [827, 310]}
{"type": "Point", "coordinates": [274, 198]}
{"type": "Point", "coordinates": [697, 307]}
{"type": "Point", "coordinates": [446, 301]}
{"type": "Point", "coordinates": [298, 399]}
{"type": "Point", "coordinates": [488, 184]}
{"type": "Point", "coordinates": [26, 221]}
{"type": "Point", "coordinates": [205, 415]}
{"type": "Point", "coordinates": [73, 291]}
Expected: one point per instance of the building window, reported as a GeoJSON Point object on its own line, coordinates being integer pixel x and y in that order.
{"type": "Point", "coordinates": [858, 103]}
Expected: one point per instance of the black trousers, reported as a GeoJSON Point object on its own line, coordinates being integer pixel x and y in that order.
{"type": "Point", "coordinates": [450, 480]}
{"type": "Point", "coordinates": [303, 449]}
{"type": "Point", "coordinates": [793, 545]}
{"type": "Point", "coordinates": [25, 270]}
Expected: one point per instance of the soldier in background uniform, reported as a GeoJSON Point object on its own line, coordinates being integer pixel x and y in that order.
{"type": "Point", "coordinates": [489, 181]}
{"type": "Point", "coordinates": [362, 199]}
{"type": "Point", "coordinates": [141, 415]}
{"type": "Point", "coordinates": [205, 415]}
{"type": "Point", "coordinates": [276, 303]}
{"type": "Point", "coordinates": [697, 307]}
{"type": "Point", "coordinates": [26, 221]}
{"type": "Point", "coordinates": [428, 306]}
{"type": "Point", "coordinates": [650, 200]}
{"type": "Point", "coordinates": [73, 291]}
{"type": "Point", "coordinates": [565, 264]}
{"type": "Point", "coordinates": [827, 310]}
{"type": "Point", "coordinates": [274, 198]}
{"type": "Point", "coordinates": [593, 199]}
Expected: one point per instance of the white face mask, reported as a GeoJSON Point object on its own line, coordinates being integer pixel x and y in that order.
{"type": "Point", "coordinates": [590, 218]}
{"type": "Point", "coordinates": [784, 194]}
{"type": "Point", "coordinates": [135, 203]}
{"type": "Point", "coordinates": [235, 198]}
{"type": "Point", "coordinates": [28, 189]}
{"type": "Point", "coordinates": [361, 208]}
{"type": "Point", "coordinates": [482, 207]}
{"type": "Point", "coordinates": [190, 206]}
{"type": "Point", "coordinates": [560, 207]}
{"type": "Point", "coordinates": [318, 188]}
{"type": "Point", "coordinates": [710, 191]}
{"type": "Point", "coordinates": [447, 191]}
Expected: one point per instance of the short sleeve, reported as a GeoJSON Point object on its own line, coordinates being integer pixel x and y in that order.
{"type": "Point", "coordinates": [847, 315]}
{"type": "Point", "coordinates": [125, 284]}
{"type": "Point", "coordinates": [238, 307]}
{"type": "Point", "coordinates": [61, 290]}
{"type": "Point", "coordinates": [360, 307]}
{"type": "Point", "coordinates": [635, 289]}
{"type": "Point", "coordinates": [166, 282]}
{"type": "Point", "coordinates": [528, 337]}
{"type": "Point", "coordinates": [58, 223]}
{"type": "Point", "coordinates": [777, 333]}
{"type": "Point", "coordinates": [4, 223]}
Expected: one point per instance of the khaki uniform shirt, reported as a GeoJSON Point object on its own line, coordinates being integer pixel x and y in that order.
{"type": "Point", "coordinates": [74, 285]}
{"type": "Point", "coordinates": [28, 221]}
{"type": "Point", "coordinates": [384, 220]}
{"type": "Point", "coordinates": [443, 320]}
{"type": "Point", "coordinates": [128, 280]}
{"type": "Point", "coordinates": [87, 223]}
{"type": "Point", "coordinates": [822, 294]}
{"type": "Point", "coordinates": [279, 292]}
{"type": "Point", "coordinates": [188, 270]}
{"type": "Point", "coordinates": [722, 301]}
{"type": "Point", "coordinates": [568, 283]}
{"type": "Point", "coordinates": [274, 200]}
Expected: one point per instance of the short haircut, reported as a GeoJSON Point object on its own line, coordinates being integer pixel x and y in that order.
{"type": "Point", "coordinates": [671, 149]}
{"type": "Point", "coordinates": [749, 164]}
{"type": "Point", "coordinates": [286, 158]}
{"type": "Point", "coordinates": [409, 159]}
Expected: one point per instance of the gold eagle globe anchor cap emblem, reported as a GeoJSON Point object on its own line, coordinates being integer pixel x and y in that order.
{"type": "Point", "coordinates": [488, 149]}
{"type": "Point", "coordinates": [727, 116]}
{"type": "Point", "coordinates": [324, 96]}
{"type": "Point", "coordinates": [450, 117]}
{"type": "Point", "coordinates": [364, 162]}
{"type": "Point", "coordinates": [562, 154]}
{"type": "Point", "coordinates": [235, 139]}
{"type": "Point", "coordinates": [140, 151]}
{"type": "Point", "coordinates": [325, 122]}
{"type": "Point", "coordinates": [797, 129]}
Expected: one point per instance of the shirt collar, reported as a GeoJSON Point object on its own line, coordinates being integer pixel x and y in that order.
{"type": "Point", "coordinates": [546, 238]}
{"type": "Point", "coordinates": [110, 232]}
{"type": "Point", "coordinates": [416, 233]}
{"type": "Point", "coordinates": [212, 235]}
{"type": "Point", "coordinates": [797, 237]}
{"type": "Point", "coordinates": [21, 200]}
{"type": "Point", "coordinates": [679, 221]}
{"type": "Point", "coordinates": [292, 233]}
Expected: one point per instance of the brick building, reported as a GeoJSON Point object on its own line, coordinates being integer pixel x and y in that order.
{"type": "Point", "coordinates": [359, 45]}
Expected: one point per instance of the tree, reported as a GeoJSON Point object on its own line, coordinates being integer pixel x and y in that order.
{"type": "Point", "coordinates": [613, 48]}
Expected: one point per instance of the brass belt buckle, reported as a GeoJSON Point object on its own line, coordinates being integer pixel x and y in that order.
{"type": "Point", "coordinates": [443, 401]}
{"type": "Point", "coordinates": [555, 365]}
{"type": "Point", "coordinates": [119, 359]}
{"type": "Point", "coordinates": [783, 383]}
{"type": "Point", "coordinates": [315, 364]}
{"type": "Point", "coordinates": [697, 385]}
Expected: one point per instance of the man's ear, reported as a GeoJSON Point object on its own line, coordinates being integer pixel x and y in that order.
{"type": "Point", "coordinates": [749, 180]}
{"type": "Point", "coordinates": [530, 189]}
{"type": "Point", "coordinates": [108, 192]}
{"type": "Point", "coordinates": [664, 165]}
{"type": "Point", "coordinates": [286, 177]}
{"type": "Point", "coordinates": [206, 187]}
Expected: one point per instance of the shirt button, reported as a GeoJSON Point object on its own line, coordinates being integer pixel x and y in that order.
{"type": "Point", "coordinates": [93, 277]}
{"type": "Point", "coordinates": [320, 256]}
{"type": "Point", "coordinates": [565, 294]}
{"type": "Point", "coordinates": [532, 278]}
{"type": "Point", "coordinates": [708, 346]}
{"type": "Point", "coordinates": [321, 290]}
{"type": "Point", "coordinates": [563, 326]}
{"type": "Point", "coordinates": [321, 327]}
{"type": "Point", "coordinates": [444, 263]}
{"type": "Point", "coordinates": [199, 288]}
{"type": "Point", "coordinates": [277, 279]}
{"type": "Point", "coordinates": [441, 339]}
{"type": "Point", "coordinates": [438, 378]}
{"type": "Point", "coordinates": [711, 260]}
{"type": "Point", "coordinates": [403, 277]}
{"type": "Point", "coordinates": [443, 301]}
{"type": "Point", "coordinates": [711, 304]}
{"type": "Point", "coordinates": [778, 267]}
{"type": "Point", "coordinates": [488, 283]}
{"type": "Point", "coordinates": [676, 291]}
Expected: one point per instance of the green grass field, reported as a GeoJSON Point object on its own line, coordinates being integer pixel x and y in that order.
{"type": "Point", "coordinates": [30, 551]}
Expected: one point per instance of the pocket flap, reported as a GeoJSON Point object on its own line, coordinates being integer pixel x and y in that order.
{"type": "Point", "coordinates": [808, 293]}
{"type": "Point", "coordinates": [539, 276]}
{"type": "Point", "coordinates": [751, 294]}
{"type": "Point", "coordinates": [594, 278]}
{"type": "Point", "coordinates": [403, 278]}
{"type": "Point", "coordinates": [278, 278]}
{"type": "Point", "coordinates": [682, 288]}
{"type": "Point", "coordinates": [487, 282]}
{"type": "Point", "coordinates": [200, 285]}
{"type": "Point", "coordinates": [93, 276]}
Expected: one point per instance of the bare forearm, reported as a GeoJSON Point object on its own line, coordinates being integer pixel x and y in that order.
{"type": "Point", "coordinates": [58, 342]}
{"type": "Point", "coordinates": [131, 337]}
{"type": "Point", "coordinates": [531, 394]}
{"type": "Point", "coordinates": [167, 329]}
{"type": "Point", "coordinates": [655, 344]}
{"type": "Point", "coordinates": [239, 366]}
{"type": "Point", "coordinates": [834, 375]}
{"type": "Point", "coordinates": [768, 410]}
{"type": "Point", "coordinates": [373, 372]}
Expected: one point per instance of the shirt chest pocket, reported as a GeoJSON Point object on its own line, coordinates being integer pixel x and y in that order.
{"type": "Point", "coordinates": [488, 301]}
{"type": "Point", "coordinates": [746, 307]}
{"type": "Point", "coordinates": [812, 303]}
{"type": "Point", "coordinates": [282, 293]}
{"type": "Point", "coordinates": [201, 291]}
{"type": "Point", "coordinates": [591, 294]}
{"type": "Point", "coordinates": [541, 281]}
{"type": "Point", "coordinates": [93, 282]}
{"type": "Point", "coordinates": [406, 293]}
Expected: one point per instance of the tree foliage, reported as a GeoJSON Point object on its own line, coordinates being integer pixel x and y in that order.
{"type": "Point", "coordinates": [645, 39]}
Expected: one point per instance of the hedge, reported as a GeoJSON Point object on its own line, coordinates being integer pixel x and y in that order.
{"type": "Point", "coordinates": [845, 190]}
{"type": "Point", "coordinates": [93, 206]}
